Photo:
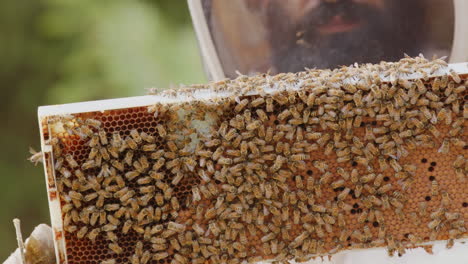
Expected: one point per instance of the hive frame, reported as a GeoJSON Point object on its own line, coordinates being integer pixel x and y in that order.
{"type": "Point", "coordinates": [142, 101]}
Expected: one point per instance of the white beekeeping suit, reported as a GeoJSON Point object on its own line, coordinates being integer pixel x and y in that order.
{"type": "Point", "coordinates": [39, 248]}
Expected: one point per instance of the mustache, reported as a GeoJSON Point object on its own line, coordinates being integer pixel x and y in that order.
{"type": "Point", "coordinates": [348, 10]}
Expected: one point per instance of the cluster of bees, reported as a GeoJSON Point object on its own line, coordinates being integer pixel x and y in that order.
{"type": "Point", "coordinates": [296, 166]}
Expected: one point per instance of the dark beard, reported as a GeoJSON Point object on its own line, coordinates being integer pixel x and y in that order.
{"type": "Point", "coordinates": [379, 38]}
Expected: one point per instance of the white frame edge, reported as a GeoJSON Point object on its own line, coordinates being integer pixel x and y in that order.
{"type": "Point", "coordinates": [460, 41]}
{"type": "Point", "coordinates": [206, 44]}
{"type": "Point", "coordinates": [147, 100]}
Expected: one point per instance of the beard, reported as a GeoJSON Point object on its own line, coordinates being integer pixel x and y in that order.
{"type": "Point", "coordinates": [377, 37]}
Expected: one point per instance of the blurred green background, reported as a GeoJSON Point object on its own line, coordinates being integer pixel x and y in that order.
{"type": "Point", "coordinates": [62, 51]}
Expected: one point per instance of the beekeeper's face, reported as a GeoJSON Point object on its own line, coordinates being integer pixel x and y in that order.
{"type": "Point", "coordinates": [327, 19]}
{"type": "Point", "coordinates": [329, 33]}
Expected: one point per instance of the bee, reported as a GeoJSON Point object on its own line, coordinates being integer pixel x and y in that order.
{"type": "Point", "coordinates": [300, 157]}
{"type": "Point", "coordinates": [147, 138]}
{"type": "Point", "coordinates": [357, 98]}
{"type": "Point", "coordinates": [436, 84]}
{"type": "Point", "coordinates": [279, 161]}
{"type": "Point", "coordinates": [132, 175]}
{"type": "Point", "coordinates": [126, 226]}
{"type": "Point", "coordinates": [136, 136]}
{"type": "Point", "coordinates": [455, 77]}
{"type": "Point", "coordinates": [356, 234]}
{"type": "Point", "coordinates": [320, 165]}
{"type": "Point", "coordinates": [434, 224]}
{"type": "Point", "coordinates": [443, 114]}
{"type": "Point", "coordinates": [103, 137]}
{"type": "Point", "coordinates": [385, 202]}
{"type": "Point", "coordinates": [437, 214]}
{"type": "Point", "coordinates": [434, 131]}
{"type": "Point", "coordinates": [82, 232]}
{"type": "Point", "coordinates": [283, 115]}
{"type": "Point", "coordinates": [396, 203]}
{"type": "Point", "coordinates": [90, 197]}
{"type": "Point", "coordinates": [342, 152]}
{"type": "Point", "coordinates": [323, 140]}
{"type": "Point", "coordinates": [310, 99]}
{"type": "Point", "coordinates": [422, 208]}
{"type": "Point", "coordinates": [431, 96]}
{"type": "Point", "coordinates": [241, 105]}
{"type": "Point", "coordinates": [457, 142]}
{"type": "Point", "coordinates": [134, 259]}
{"type": "Point", "coordinates": [269, 104]}
{"type": "Point", "coordinates": [406, 133]}
{"type": "Point", "coordinates": [454, 233]}
{"type": "Point", "coordinates": [160, 255]}
{"type": "Point", "coordinates": [354, 176]}
{"type": "Point", "coordinates": [155, 155]}
{"type": "Point", "coordinates": [372, 149]}
{"type": "Point", "coordinates": [92, 153]}
{"type": "Point", "coordinates": [445, 147]}
{"type": "Point", "coordinates": [161, 131]}
{"type": "Point", "coordinates": [414, 122]}
{"type": "Point", "coordinates": [75, 195]}
{"type": "Point", "coordinates": [225, 161]}
{"type": "Point", "coordinates": [460, 173]}
{"type": "Point", "coordinates": [411, 143]}
{"type": "Point", "coordinates": [111, 236]}
{"type": "Point", "coordinates": [313, 135]}
{"type": "Point", "coordinates": [378, 180]}
{"type": "Point", "coordinates": [158, 164]}
{"type": "Point", "coordinates": [116, 139]}
{"type": "Point", "coordinates": [92, 235]}
{"type": "Point", "coordinates": [367, 178]}
{"type": "Point", "coordinates": [175, 203]}
{"type": "Point", "coordinates": [175, 244]}
{"type": "Point", "coordinates": [337, 184]}
{"type": "Point", "coordinates": [325, 178]}
{"type": "Point", "coordinates": [384, 189]}
{"type": "Point", "coordinates": [445, 199]}
{"type": "Point", "coordinates": [70, 228]}
{"type": "Point", "coordinates": [395, 165]}
{"type": "Point", "coordinates": [71, 161]}
{"type": "Point", "coordinates": [113, 151]}
{"type": "Point", "coordinates": [65, 173]}
{"type": "Point", "coordinates": [253, 148]}
{"type": "Point", "coordinates": [369, 133]}
{"type": "Point", "coordinates": [374, 200]}
{"type": "Point", "coordinates": [414, 239]}
{"type": "Point", "coordinates": [149, 147]}
{"type": "Point", "coordinates": [232, 133]}
{"type": "Point", "coordinates": [452, 216]}
{"type": "Point", "coordinates": [93, 122]}
{"type": "Point", "coordinates": [343, 194]}
{"type": "Point", "coordinates": [268, 237]}
{"type": "Point", "coordinates": [257, 102]}
{"type": "Point", "coordinates": [104, 153]}
{"type": "Point", "coordinates": [344, 234]}
{"type": "Point", "coordinates": [176, 227]}
{"type": "Point", "coordinates": [450, 243]}
{"type": "Point", "coordinates": [434, 188]}
{"type": "Point", "coordinates": [361, 160]}
{"type": "Point", "coordinates": [58, 163]}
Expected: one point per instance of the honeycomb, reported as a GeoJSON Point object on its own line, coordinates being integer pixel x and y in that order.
{"type": "Point", "coordinates": [291, 167]}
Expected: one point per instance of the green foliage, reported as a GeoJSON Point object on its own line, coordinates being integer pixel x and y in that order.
{"type": "Point", "coordinates": [62, 51]}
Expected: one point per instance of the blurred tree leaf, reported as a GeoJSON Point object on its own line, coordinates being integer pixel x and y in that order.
{"type": "Point", "coordinates": [61, 51]}
{"type": "Point", "coordinates": [174, 11]}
